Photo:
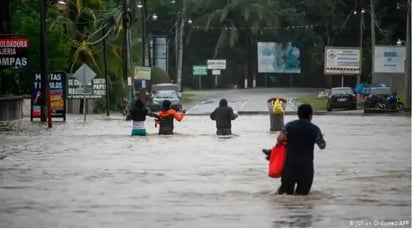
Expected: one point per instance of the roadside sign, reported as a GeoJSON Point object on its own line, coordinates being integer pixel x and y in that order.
{"type": "Point", "coordinates": [389, 59]}
{"type": "Point", "coordinates": [199, 70]}
{"type": "Point", "coordinates": [342, 61]}
{"type": "Point", "coordinates": [96, 89]}
{"type": "Point", "coordinates": [142, 73]}
{"type": "Point", "coordinates": [13, 52]}
{"type": "Point", "coordinates": [216, 64]}
{"type": "Point", "coordinates": [216, 72]}
{"type": "Point", "coordinates": [57, 95]}
{"type": "Point", "coordinates": [84, 74]}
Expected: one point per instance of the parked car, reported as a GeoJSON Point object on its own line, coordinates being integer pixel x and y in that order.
{"type": "Point", "coordinates": [367, 88]}
{"type": "Point", "coordinates": [158, 97]}
{"type": "Point", "coordinates": [341, 97]}
{"type": "Point", "coordinates": [166, 86]}
{"type": "Point", "coordinates": [381, 99]}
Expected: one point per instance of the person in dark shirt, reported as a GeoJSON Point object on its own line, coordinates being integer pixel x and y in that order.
{"type": "Point", "coordinates": [301, 136]}
{"type": "Point", "coordinates": [166, 118]}
{"type": "Point", "coordinates": [138, 115]}
{"type": "Point", "coordinates": [223, 115]}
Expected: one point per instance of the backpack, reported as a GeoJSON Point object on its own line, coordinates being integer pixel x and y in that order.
{"type": "Point", "coordinates": [277, 107]}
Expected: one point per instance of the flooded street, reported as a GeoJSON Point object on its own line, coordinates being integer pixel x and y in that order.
{"type": "Point", "coordinates": [94, 174]}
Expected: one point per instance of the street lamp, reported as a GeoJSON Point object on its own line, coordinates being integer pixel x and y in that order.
{"type": "Point", "coordinates": [61, 5]}
{"type": "Point", "coordinates": [144, 18]}
{"type": "Point", "coordinates": [360, 41]}
{"type": "Point", "coordinates": [373, 39]}
{"type": "Point", "coordinates": [407, 89]}
{"type": "Point", "coordinates": [180, 30]}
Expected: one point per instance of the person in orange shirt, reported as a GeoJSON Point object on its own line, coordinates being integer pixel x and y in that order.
{"type": "Point", "coordinates": [167, 116]}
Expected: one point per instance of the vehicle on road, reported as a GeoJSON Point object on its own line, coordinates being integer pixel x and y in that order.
{"type": "Point", "coordinates": [382, 99]}
{"type": "Point", "coordinates": [162, 95]}
{"type": "Point", "coordinates": [165, 86]}
{"type": "Point", "coordinates": [341, 97]}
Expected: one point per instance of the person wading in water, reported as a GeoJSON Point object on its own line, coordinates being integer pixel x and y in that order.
{"type": "Point", "coordinates": [223, 115]}
{"type": "Point", "coordinates": [301, 136]}
{"type": "Point", "coordinates": [166, 118]}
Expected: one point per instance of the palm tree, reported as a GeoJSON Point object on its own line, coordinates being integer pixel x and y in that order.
{"type": "Point", "coordinates": [84, 23]}
{"type": "Point", "coordinates": [239, 22]}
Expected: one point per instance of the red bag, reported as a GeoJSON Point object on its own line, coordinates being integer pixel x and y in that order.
{"type": "Point", "coordinates": [277, 160]}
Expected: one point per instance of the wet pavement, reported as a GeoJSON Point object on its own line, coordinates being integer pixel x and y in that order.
{"type": "Point", "coordinates": [94, 174]}
{"type": "Point", "coordinates": [246, 101]}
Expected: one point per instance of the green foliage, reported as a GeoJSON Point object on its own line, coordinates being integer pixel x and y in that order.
{"type": "Point", "coordinates": [116, 93]}
{"type": "Point", "coordinates": [75, 35]}
{"type": "Point", "coordinates": [318, 104]}
{"type": "Point", "coordinates": [158, 75]}
{"type": "Point", "coordinates": [242, 16]}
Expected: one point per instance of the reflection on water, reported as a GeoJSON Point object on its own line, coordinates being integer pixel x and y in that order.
{"type": "Point", "coordinates": [94, 174]}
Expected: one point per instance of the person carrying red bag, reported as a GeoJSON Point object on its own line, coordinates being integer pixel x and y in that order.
{"type": "Point", "coordinates": [301, 135]}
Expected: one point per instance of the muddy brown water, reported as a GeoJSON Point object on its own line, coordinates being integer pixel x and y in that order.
{"type": "Point", "coordinates": [94, 174]}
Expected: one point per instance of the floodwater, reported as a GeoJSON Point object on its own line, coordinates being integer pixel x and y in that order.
{"type": "Point", "coordinates": [94, 174]}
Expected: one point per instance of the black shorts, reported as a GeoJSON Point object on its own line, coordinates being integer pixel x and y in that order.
{"type": "Point", "coordinates": [297, 174]}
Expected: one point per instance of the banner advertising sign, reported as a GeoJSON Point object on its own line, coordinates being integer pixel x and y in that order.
{"type": "Point", "coordinates": [57, 86]}
{"type": "Point", "coordinates": [160, 52]}
{"type": "Point", "coordinates": [95, 89]}
{"type": "Point", "coordinates": [342, 61]}
{"type": "Point", "coordinates": [276, 57]}
{"type": "Point", "coordinates": [390, 59]}
{"type": "Point", "coordinates": [142, 73]}
{"type": "Point", "coordinates": [13, 52]}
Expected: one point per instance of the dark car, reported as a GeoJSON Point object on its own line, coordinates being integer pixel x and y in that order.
{"type": "Point", "coordinates": [367, 88]}
{"type": "Point", "coordinates": [158, 97]}
{"type": "Point", "coordinates": [341, 97]}
{"type": "Point", "coordinates": [381, 99]}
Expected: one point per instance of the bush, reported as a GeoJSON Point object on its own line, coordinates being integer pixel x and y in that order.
{"type": "Point", "coordinates": [158, 75]}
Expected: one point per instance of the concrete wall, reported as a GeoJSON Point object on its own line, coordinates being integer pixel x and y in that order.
{"type": "Point", "coordinates": [72, 106]}
{"type": "Point", "coordinates": [17, 107]}
{"type": "Point", "coordinates": [11, 108]}
{"type": "Point", "coordinates": [26, 107]}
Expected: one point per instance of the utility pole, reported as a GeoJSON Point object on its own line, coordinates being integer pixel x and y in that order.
{"type": "Point", "coordinates": [407, 89]}
{"type": "Point", "coordinates": [125, 51]}
{"type": "Point", "coordinates": [373, 42]}
{"type": "Point", "coordinates": [180, 46]}
{"type": "Point", "coordinates": [105, 73]}
{"type": "Point", "coordinates": [144, 15]}
{"type": "Point", "coordinates": [44, 67]}
{"type": "Point", "coordinates": [360, 44]}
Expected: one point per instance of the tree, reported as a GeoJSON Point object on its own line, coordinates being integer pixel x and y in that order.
{"type": "Point", "coordinates": [239, 22]}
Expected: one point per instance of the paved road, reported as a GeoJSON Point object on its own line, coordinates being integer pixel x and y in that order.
{"type": "Point", "coordinates": [246, 100]}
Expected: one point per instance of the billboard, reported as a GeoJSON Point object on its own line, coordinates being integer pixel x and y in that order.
{"type": "Point", "coordinates": [57, 87]}
{"type": "Point", "coordinates": [13, 52]}
{"type": "Point", "coordinates": [158, 50]}
{"type": "Point", "coordinates": [389, 59]}
{"type": "Point", "coordinates": [274, 57]}
{"type": "Point", "coordinates": [342, 61]}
